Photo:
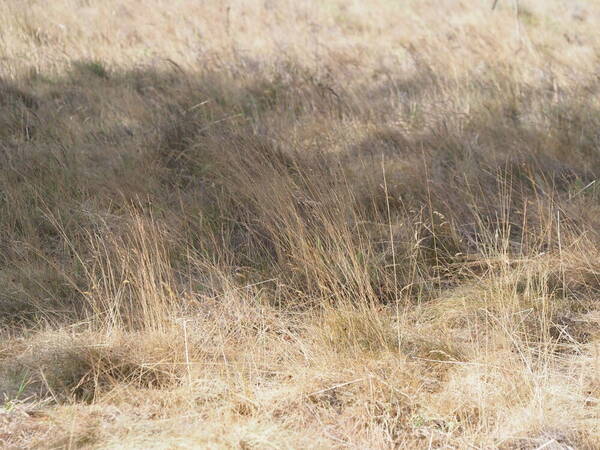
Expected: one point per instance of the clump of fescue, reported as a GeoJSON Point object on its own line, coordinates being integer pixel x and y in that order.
{"type": "Point", "coordinates": [130, 278]}
{"type": "Point", "coordinates": [80, 367]}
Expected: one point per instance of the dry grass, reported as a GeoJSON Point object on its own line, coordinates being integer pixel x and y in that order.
{"type": "Point", "coordinates": [292, 224]}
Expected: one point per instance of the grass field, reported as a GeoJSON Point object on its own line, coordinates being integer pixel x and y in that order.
{"type": "Point", "coordinates": [300, 224]}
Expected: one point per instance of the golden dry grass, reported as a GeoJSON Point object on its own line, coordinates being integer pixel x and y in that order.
{"type": "Point", "coordinates": [299, 224]}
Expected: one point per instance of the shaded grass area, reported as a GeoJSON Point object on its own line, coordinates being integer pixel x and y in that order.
{"type": "Point", "coordinates": [83, 155]}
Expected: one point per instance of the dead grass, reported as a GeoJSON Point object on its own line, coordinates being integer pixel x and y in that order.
{"type": "Point", "coordinates": [299, 224]}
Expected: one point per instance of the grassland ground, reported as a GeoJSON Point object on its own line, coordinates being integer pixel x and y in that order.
{"type": "Point", "coordinates": [300, 224]}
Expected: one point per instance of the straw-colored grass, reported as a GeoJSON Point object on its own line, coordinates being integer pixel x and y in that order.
{"type": "Point", "coordinates": [299, 224]}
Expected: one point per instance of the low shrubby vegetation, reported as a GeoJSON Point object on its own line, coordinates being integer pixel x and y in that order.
{"type": "Point", "coordinates": [300, 225]}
